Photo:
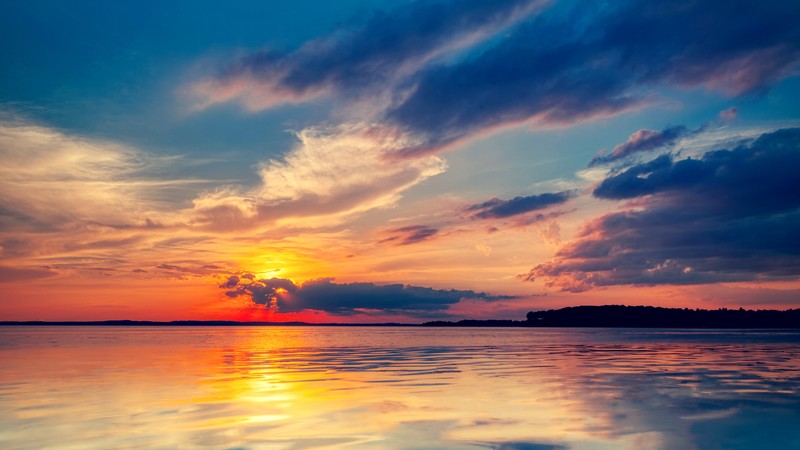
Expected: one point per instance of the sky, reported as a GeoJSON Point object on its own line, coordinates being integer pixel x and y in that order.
{"type": "Point", "coordinates": [376, 161]}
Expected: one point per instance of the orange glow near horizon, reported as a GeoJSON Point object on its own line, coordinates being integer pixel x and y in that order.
{"type": "Point", "coordinates": [200, 298]}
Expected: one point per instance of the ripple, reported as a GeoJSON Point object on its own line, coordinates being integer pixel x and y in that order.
{"type": "Point", "coordinates": [384, 388]}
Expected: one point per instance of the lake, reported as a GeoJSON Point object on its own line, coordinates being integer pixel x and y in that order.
{"type": "Point", "coordinates": [398, 388]}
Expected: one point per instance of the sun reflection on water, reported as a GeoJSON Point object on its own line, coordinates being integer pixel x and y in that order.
{"type": "Point", "coordinates": [398, 388]}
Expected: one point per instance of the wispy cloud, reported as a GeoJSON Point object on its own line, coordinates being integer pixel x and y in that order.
{"type": "Point", "coordinates": [411, 234]}
{"type": "Point", "coordinates": [362, 58]}
{"type": "Point", "coordinates": [642, 141]}
{"type": "Point", "coordinates": [729, 114]}
{"type": "Point", "coordinates": [331, 171]}
{"type": "Point", "coordinates": [497, 208]}
{"type": "Point", "coordinates": [72, 205]}
{"type": "Point", "coordinates": [567, 67]}
{"type": "Point", "coordinates": [562, 65]}
{"type": "Point", "coordinates": [51, 180]}
{"type": "Point", "coordinates": [23, 274]}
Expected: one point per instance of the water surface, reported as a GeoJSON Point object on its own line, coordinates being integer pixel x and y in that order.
{"type": "Point", "coordinates": [398, 388]}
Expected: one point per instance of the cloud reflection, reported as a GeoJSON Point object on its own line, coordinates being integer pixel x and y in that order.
{"type": "Point", "coordinates": [389, 388]}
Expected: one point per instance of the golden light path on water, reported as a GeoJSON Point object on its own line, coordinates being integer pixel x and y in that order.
{"type": "Point", "coordinates": [397, 388]}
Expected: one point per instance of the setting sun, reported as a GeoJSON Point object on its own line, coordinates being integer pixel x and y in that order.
{"type": "Point", "coordinates": [396, 225]}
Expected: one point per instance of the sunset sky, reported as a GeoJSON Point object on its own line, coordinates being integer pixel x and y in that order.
{"type": "Point", "coordinates": [373, 161]}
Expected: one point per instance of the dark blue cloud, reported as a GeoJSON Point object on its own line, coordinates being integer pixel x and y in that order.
{"type": "Point", "coordinates": [497, 208]}
{"type": "Point", "coordinates": [410, 234]}
{"type": "Point", "coordinates": [731, 215]}
{"type": "Point", "coordinates": [526, 446]}
{"type": "Point", "coordinates": [348, 298]}
{"type": "Point", "coordinates": [642, 141]}
{"type": "Point", "coordinates": [379, 49]}
{"type": "Point", "coordinates": [564, 67]}
{"type": "Point", "coordinates": [569, 63]}
{"type": "Point", "coordinates": [757, 177]}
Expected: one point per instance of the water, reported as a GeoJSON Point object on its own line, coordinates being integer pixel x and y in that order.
{"type": "Point", "coordinates": [398, 388]}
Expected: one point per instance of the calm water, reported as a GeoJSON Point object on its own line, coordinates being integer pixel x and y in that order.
{"type": "Point", "coordinates": [398, 388]}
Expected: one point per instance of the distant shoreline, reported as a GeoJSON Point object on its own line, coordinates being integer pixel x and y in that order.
{"type": "Point", "coordinates": [620, 316]}
{"type": "Point", "coordinates": [608, 316]}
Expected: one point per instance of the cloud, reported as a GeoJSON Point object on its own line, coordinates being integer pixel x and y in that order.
{"type": "Point", "coordinates": [729, 114]}
{"type": "Point", "coordinates": [564, 67]}
{"type": "Point", "coordinates": [642, 141]}
{"type": "Point", "coordinates": [184, 271]}
{"type": "Point", "coordinates": [550, 232]}
{"type": "Point", "coordinates": [81, 205]}
{"type": "Point", "coordinates": [362, 57]}
{"type": "Point", "coordinates": [525, 446]}
{"type": "Point", "coordinates": [23, 274]}
{"type": "Point", "coordinates": [517, 212]}
{"type": "Point", "coordinates": [331, 171]}
{"type": "Point", "coordinates": [50, 180]}
{"type": "Point", "coordinates": [74, 207]}
{"type": "Point", "coordinates": [497, 208]}
{"type": "Point", "coordinates": [324, 294]}
{"type": "Point", "coordinates": [409, 235]}
{"type": "Point", "coordinates": [731, 215]}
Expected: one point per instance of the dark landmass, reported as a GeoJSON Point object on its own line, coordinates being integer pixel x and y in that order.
{"type": "Point", "coordinates": [618, 316]}
{"type": "Point", "coordinates": [611, 316]}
